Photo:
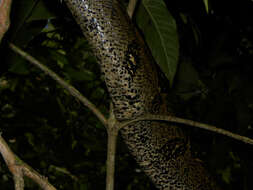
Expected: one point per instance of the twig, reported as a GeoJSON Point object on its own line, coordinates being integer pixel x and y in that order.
{"type": "Point", "coordinates": [64, 171]}
{"type": "Point", "coordinates": [131, 7]}
{"type": "Point", "coordinates": [18, 168]}
{"type": "Point", "coordinates": [191, 123]}
{"type": "Point", "coordinates": [112, 132]}
{"type": "Point", "coordinates": [73, 91]}
{"type": "Point", "coordinates": [111, 154]}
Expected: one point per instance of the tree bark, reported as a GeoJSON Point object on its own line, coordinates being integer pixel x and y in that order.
{"type": "Point", "coordinates": [5, 7]}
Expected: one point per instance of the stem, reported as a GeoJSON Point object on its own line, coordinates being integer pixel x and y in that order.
{"type": "Point", "coordinates": [112, 132]}
{"type": "Point", "coordinates": [150, 117]}
{"type": "Point", "coordinates": [111, 152]}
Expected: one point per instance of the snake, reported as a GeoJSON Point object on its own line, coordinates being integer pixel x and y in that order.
{"type": "Point", "coordinates": [162, 150]}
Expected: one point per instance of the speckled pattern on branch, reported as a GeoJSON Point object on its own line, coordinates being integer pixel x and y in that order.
{"type": "Point", "coordinates": [162, 150]}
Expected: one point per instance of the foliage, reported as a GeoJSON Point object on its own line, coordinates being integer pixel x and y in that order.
{"type": "Point", "coordinates": [53, 133]}
{"type": "Point", "coordinates": [159, 29]}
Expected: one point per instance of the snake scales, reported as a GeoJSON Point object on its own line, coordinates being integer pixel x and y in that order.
{"type": "Point", "coordinates": [162, 150]}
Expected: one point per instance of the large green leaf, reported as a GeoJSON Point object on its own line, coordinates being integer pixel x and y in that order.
{"type": "Point", "coordinates": [159, 29]}
{"type": "Point", "coordinates": [21, 11]}
{"type": "Point", "coordinates": [26, 24]}
{"type": "Point", "coordinates": [40, 12]}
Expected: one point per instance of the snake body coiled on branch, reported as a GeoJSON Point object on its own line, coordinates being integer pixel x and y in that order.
{"type": "Point", "coordinates": [162, 150]}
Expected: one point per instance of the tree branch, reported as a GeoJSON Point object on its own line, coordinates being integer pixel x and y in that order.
{"type": "Point", "coordinates": [19, 169]}
{"type": "Point", "coordinates": [112, 132]}
{"type": "Point", "coordinates": [5, 7]}
{"type": "Point", "coordinates": [190, 123]}
{"type": "Point", "coordinates": [131, 7]}
{"type": "Point", "coordinates": [73, 91]}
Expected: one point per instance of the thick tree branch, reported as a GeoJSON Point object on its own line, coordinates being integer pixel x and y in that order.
{"type": "Point", "coordinates": [190, 123]}
{"type": "Point", "coordinates": [19, 169]}
{"type": "Point", "coordinates": [73, 91]}
{"type": "Point", "coordinates": [5, 7]}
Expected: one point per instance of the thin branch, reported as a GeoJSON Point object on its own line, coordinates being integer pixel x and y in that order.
{"type": "Point", "coordinates": [111, 154]}
{"type": "Point", "coordinates": [190, 123]}
{"type": "Point", "coordinates": [112, 132]}
{"type": "Point", "coordinates": [10, 160]}
{"type": "Point", "coordinates": [73, 91]}
{"type": "Point", "coordinates": [64, 171]}
{"type": "Point", "coordinates": [131, 7]}
{"type": "Point", "coordinates": [18, 168]}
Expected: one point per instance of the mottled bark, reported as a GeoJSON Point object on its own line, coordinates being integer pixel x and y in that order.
{"type": "Point", "coordinates": [162, 150]}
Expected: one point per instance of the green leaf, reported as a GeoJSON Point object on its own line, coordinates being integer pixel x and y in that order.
{"type": "Point", "coordinates": [19, 67]}
{"type": "Point", "coordinates": [30, 17]}
{"type": "Point", "coordinates": [206, 5]}
{"type": "Point", "coordinates": [188, 82]}
{"type": "Point", "coordinates": [28, 31]}
{"type": "Point", "coordinates": [40, 12]}
{"type": "Point", "coordinates": [83, 75]}
{"type": "Point", "coordinates": [30, 139]}
{"type": "Point", "coordinates": [49, 27]}
{"type": "Point", "coordinates": [83, 186]}
{"type": "Point", "coordinates": [226, 174]}
{"type": "Point", "coordinates": [21, 11]}
{"type": "Point", "coordinates": [160, 32]}
{"type": "Point", "coordinates": [59, 57]}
